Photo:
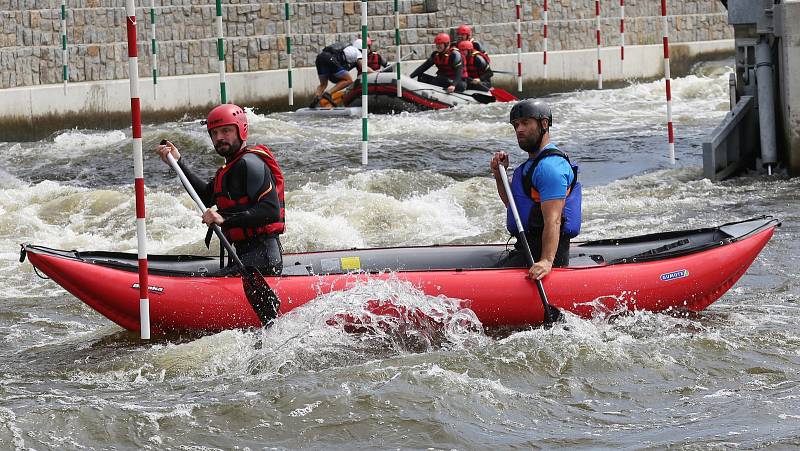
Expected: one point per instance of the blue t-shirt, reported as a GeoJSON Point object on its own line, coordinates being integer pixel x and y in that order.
{"type": "Point", "coordinates": [552, 176]}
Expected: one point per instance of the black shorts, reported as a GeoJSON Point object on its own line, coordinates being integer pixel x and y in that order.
{"type": "Point", "coordinates": [328, 66]}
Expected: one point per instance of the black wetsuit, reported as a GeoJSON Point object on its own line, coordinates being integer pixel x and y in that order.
{"type": "Point", "coordinates": [250, 177]}
{"type": "Point", "coordinates": [441, 80]}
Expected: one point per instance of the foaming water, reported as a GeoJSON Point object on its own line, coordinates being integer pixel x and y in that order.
{"type": "Point", "coordinates": [382, 365]}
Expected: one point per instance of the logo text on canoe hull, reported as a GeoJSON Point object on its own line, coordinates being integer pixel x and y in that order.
{"type": "Point", "coordinates": [679, 274]}
{"type": "Point", "coordinates": [150, 288]}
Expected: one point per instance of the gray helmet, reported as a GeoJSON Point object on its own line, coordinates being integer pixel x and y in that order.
{"type": "Point", "coordinates": [532, 108]}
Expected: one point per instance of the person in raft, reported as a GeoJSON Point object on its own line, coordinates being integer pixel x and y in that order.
{"type": "Point", "coordinates": [334, 64]}
{"type": "Point", "coordinates": [247, 190]}
{"type": "Point", "coordinates": [464, 33]}
{"type": "Point", "coordinates": [374, 59]}
{"type": "Point", "coordinates": [476, 64]}
{"type": "Point", "coordinates": [449, 65]}
{"type": "Point", "coordinates": [545, 189]}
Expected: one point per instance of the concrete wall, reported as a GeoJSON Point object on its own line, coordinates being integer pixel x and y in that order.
{"type": "Point", "coordinates": [30, 40]}
{"type": "Point", "coordinates": [788, 29]}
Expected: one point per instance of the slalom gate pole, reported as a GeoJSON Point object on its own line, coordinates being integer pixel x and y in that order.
{"type": "Point", "coordinates": [138, 169]}
{"type": "Point", "coordinates": [397, 43]}
{"type": "Point", "coordinates": [223, 97]}
{"type": "Point", "coordinates": [519, 46]}
{"type": "Point", "coordinates": [622, 37]}
{"type": "Point", "coordinates": [597, 34]}
{"type": "Point", "coordinates": [544, 35]}
{"type": "Point", "coordinates": [668, 80]}
{"type": "Point", "coordinates": [364, 90]}
{"type": "Point", "coordinates": [64, 57]}
{"type": "Point", "coordinates": [289, 51]}
{"type": "Point", "coordinates": [153, 47]}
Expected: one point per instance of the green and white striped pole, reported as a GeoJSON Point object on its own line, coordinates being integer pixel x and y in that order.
{"type": "Point", "coordinates": [223, 98]}
{"type": "Point", "coordinates": [397, 43]}
{"type": "Point", "coordinates": [153, 47]}
{"type": "Point", "coordinates": [289, 51]}
{"type": "Point", "coordinates": [64, 73]}
{"type": "Point", "coordinates": [364, 107]}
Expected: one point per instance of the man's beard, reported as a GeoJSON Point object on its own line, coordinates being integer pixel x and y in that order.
{"type": "Point", "coordinates": [226, 149]}
{"type": "Point", "coordinates": [530, 145]}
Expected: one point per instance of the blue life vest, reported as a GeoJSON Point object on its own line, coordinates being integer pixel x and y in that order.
{"type": "Point", "coordinates": [527, 198]}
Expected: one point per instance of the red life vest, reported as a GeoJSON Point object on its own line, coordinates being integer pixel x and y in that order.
{"type": "Point", "coordinates": [226, 203]}
{"type": "Point", "coordinates": [374, 61]}
{"type": "Point", "coordinates": [473, 71]}
{"type": "Point", "coordinates": [442, 62]}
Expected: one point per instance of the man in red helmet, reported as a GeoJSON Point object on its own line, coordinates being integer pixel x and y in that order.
{"type": "Point", "coordinates": [464, 33]}
{"type": "Point", "coordinates": [247, 190]}
{"type": "Point", "coordinates": [476, 66]}
{"type": "Point", "coordinates": [449, 65]}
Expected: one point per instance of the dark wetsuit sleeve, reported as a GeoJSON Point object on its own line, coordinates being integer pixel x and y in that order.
{"type": "Point", "coordinates": [251, 175]}
{"type": "Point", "coordinates": [458, 65]}
{"type": "Point", "coordinates": [381, 61]}
{"type": "Point", "coordinates": [205, 189]}
{"type": "Point", "coordinates": [423, 67]}
{"type": "Point", "coordinates": [481, 64]}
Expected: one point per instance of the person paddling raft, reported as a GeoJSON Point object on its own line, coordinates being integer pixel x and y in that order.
{"type": "Point", "coordinates": [464, 33]}
{"type": "Point", "coordinates": [247, 190]}
{"type": "Point", "coordinates": [546, 191]}
{"type": "Point", "coordinates": [476, 65]}
{"type": "Point", "coordinates": [449, 65]}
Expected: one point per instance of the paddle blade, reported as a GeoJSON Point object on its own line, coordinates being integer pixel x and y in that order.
{"type": "Point", "coordinates": [502, 95]}
{"type": "Point", "coordinates": [483, 97]}
{"type": "Point", "coordinates": [552, 316]}
{"type": "Point", "coordinates": [261, 297]}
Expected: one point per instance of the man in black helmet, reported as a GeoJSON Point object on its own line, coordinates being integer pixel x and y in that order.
{"type": "Point", "coordinates": [545, 189]}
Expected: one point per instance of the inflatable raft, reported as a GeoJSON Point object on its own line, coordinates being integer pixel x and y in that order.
{"type": "Point", "coordinates": [673, 270]}
{"type": "Point", "coordinates": [382, 91]}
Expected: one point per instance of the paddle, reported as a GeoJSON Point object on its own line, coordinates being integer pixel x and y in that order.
{"type": "Point", "coordinates": [261, 297]}
{"type": "Point", "coordinates": [482, 97]}
{"type": "Point", "coordinates": [502, 95]}
{"type": "Point", "coordinates": [390, 67]}
{"type": "Point", "coordinates": [551, 314]}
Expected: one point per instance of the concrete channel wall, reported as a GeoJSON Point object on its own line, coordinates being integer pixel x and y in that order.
{"type": "Point", "coordinates": [255, 52]}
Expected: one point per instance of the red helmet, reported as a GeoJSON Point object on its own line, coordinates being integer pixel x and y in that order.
{"type": "Point", "coordinates": [369, 42]}
{"type": "Point", "coordinates": [228, 114]}
{"type": "Point", "coordinates": [466, 46]}
{"type": "Point", "coordinates": [442, 38]}
{"type": "Point", "coordinates": [464, 29]}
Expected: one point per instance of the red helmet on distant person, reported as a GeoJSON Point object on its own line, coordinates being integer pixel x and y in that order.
{"type": "Point", "coordinates": [442, 38]}
{"type": "Point", "coordinates": [466, 46]}
{"type": "Point", "coordinates": [464, 29]}
{"type": "Point", "coordinates": [228, 114]}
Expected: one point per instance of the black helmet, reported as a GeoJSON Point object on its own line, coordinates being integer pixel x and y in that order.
{"type": "Point", "coordinates": [532, 108]}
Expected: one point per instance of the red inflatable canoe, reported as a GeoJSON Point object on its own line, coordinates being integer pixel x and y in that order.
{"type": "Point", "coordinates": [673, 270]}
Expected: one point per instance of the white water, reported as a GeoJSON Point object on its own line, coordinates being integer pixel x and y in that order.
{"type": "Point", "coordinates": [723, 378]}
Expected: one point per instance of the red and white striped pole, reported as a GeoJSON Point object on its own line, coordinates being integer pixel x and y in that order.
{"type": "Point", "coordinates": [668, 80]}
{"type": "Point", "coordinates": [544, 35]}
{"type": "Point", "coordinates": [138, 169]}
{"type": "Point", "coordinates": [622, 37]}
{"type": "Point", "coordinates": [597, 34]}
{"type": "Point", "coordinates": [519, 46]}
